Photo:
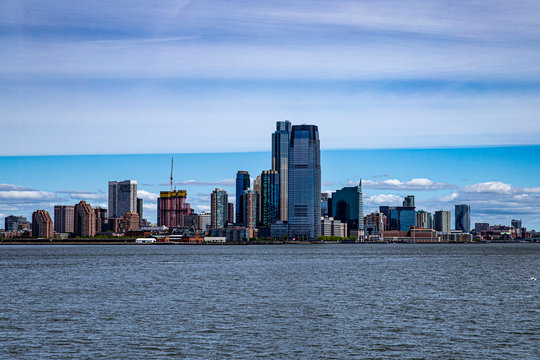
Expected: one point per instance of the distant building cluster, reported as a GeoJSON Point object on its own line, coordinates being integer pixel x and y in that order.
{"type": "Point", "coordinates": [281, 203]}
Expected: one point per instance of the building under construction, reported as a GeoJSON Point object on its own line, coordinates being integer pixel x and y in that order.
{"type": "Point", "coordinates": [171, 207]}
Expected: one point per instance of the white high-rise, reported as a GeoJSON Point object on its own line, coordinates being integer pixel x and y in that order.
{"type": "Point", "coordinates": [122, 198]}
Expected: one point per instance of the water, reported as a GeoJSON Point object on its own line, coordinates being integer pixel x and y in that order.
{"type": "Point", "coordinates": [289, 301]}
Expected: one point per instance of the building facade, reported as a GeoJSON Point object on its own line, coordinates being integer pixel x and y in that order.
{"type": "Point", "coordinates": [424, 219]}
{"type": "Point", "coordinates": [441, 221]}
{"type": "Point", "coordinates": [242, 184]}
{"type": "Point", "coordinates": [463, 218]}
{"type": "Point", "coordinates": [374, 223]}
{"type": "Point", "coordinates": [122, 197]}
{"type": "Point", "coordinates": [42, 224]}
{"type": "Point", "coordinates": [130, 222]}
{"type": "Point", "coordinates": [347, 205]}
{"type": "Point", "coordinates": [63, 218]}
{"type": "Point", "coordinates": [219, 208]}
{"type": "Point", "coordinates": [140, 210]}
{"type": "Point", "coordinates": [408, 201]}
{"type": "Point", "coordinates": [230, 213]}
{"type": "Point", "coordinates": [304, 179]}
{"type": "Point", "coordinates": [280, 163]}
{"type": "Point", "coordinates": [250, 207]}
{"type": "Point", "coordinates": [269, 197]}
{"type": "Point", "coordinates": [15, 223]}
{"type": "Point", "coordinates": [171, 206]}
{"type": "Point", "coordinates": [84, 220]}
{"type": "Point", "coordinates": [102, 221]}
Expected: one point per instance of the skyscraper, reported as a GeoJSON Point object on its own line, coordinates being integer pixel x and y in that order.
{"type": "Point", "coordinates": [250, 209]}
{"type": "Point", "coordinates": [408, 201]}
{"type": "Point", "coordinates": [242, 184]}
{"type": "Point", "coordinates": [63, 218]}
{"type": "Point", "coordinates": [347, 205]}
{"type": "Point", "coordinates": [42, 224]}
{"type": "Point", "coordinates": [280, 163]}
{"type": "Point", "coordinates": [269, 197]}
{"type": "Point", "coordinates": [463, 218]}
{"type": "Point", "coordinates": [219, 208]}
{"type": "Point", "coordinates": [84, 220]}
{"type": "Point", "coordinates": [441, 221]}
{"type": "Point", "coordinates": [122, 198]}
{"type": "Point", "coordinates": [230, 213]}
{"type": "Point", "coordinates": [171, 206]}
{"type": "Point", "coordinates": [423, 219]}
{"type": "Point", "coordinates": [304, 179]}
{"type": "Point", "coordinates": [140, 210]}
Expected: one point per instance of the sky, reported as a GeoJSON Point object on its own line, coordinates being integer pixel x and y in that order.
{"type": "Point", "coordinates": [440, 99]}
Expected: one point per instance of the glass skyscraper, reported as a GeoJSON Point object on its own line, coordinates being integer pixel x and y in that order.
{"type": "Point", "coordinates": [219, 208]}
{"type": "Point", "coordinates": [269, 197]}
{"type": "Point", "coordinates": [280, 163]}
{"type": "Point", "coordinates": [304, 183]}
{"type": "Point", "coordinates": [242, 184]}
{"type": "Point", "coordinates": [463, 218]}
{"type": "Point", "coordinates": [347, 205]}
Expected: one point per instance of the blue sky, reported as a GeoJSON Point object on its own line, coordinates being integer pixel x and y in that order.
{"type": "Point", "coordinates": [132, 77]}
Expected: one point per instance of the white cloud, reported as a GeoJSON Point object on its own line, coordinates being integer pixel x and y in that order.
{"type": "Point", "coordinates": [224, 182]}
{"type": "Point", "coordinates": [382, 199]}
{"type": "Point", "coordinates": [418, 184]}
{"type": "Point", "coordinates": [24, 196]}
{"type": "Point", "coordinates": [147, 196]}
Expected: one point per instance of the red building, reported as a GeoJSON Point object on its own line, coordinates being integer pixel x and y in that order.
{"type": "Point", "coordinates": [171, 206]}
{"type": "Point", "coordinates": [42, 224]}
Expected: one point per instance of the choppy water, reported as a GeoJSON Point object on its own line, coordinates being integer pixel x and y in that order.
{"type": "Point", "coordinates": [290, 301]}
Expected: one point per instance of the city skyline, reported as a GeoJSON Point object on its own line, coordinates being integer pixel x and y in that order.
{"type": "Point", "coordinates": [513, 195]}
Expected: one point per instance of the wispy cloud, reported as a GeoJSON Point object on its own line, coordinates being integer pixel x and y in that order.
{"type": "Point", "coordinates": [224, 182]}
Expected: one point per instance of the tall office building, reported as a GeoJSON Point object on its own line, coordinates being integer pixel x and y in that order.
{"type": "Point", "coordinates": [140, 210]}
{"type": "Point", "coordinates": [15, 223]}
{"type": "Point", "coordinates": [219, 208]}
{"type": "Point", "coordinates": [242, 184]}
{"type": "Point", "coordinates": [347, 206]}
{"type": "Point", "coordinates": [269, 197]}
{"type": "Point", "coordinates": [304, 178]}
{"type": "Point", "coordinates": [281, 139]}
{"type": "Point", "coordinates": [250, 209]}
{"type": "Point", "coordinates": [122, 198]}
{"type": "Point", "coordinates": [441, 221]}
{"type": "Point", "coordinates": [258, 189]}
{"type": "Point", "coordinates": [84, 220]}
{"type": "Point", "coordinates": [171, 206]}
{"type": "Point", "coordinates": [408, 201]}
{"type": "Point", "coordinates": [423, 219]}
{"type": "Point", "coordinates": [463, 218]}
{"type": "Point", "coordinates": [42, 224]}
{"type": "Point", "coordinates": [402, 218]}
{"type": "Point", "coordinates": [63, 218]}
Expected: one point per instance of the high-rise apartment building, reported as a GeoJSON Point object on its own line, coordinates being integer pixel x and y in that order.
{"type": "Point", "coordinates": [219, 208]}
{"type": "Point", "coordinates": [408, 201]}
{"type": "Point", "coordinates": [230, 213]}
{"type": "Point", "coordinates": [84, 220]}
{"type": "Point", "coordinates": [140, 210]}
{"type": "Point", "coordinates": [269, 197]}
{"type": "Point", "coordinates": [171, 206]}
{"type": "Point", "coordinates": [102, 221]}
{"type": "Point", "coordinates": [242, 184]}
{"type": "Point", "coordinates": [280, 162]}
{"type": "Point", "coordinates": [441, 221]}
{"type": "Point", "coordinates": [205, 220]}
{"type": "Point", "coordinates": [347, 206]}
{"type": "Point", "coordinates": [374, 223]}
{"type": "Point", "coordinates": [423, 219]}
{"type": "Point", "coordinates": [122, 198]}
{"type": "Point", "coordinates": [42, 224]}
{"type": "Point", "coordinates": [304, 179]}
{"type": "Point", "coordinates": [250, 209]}
{"type": "Point", "coordinates": [257, 187]}
{"type": "Point", "coordinates": [463, 218]}
{"type": "Point", "coordinates": [63, 218]}
{"type": "Point", "coordinates": [130, 221]}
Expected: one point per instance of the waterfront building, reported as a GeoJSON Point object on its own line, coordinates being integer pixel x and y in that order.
{"type": "Point", "coordinates": [423, 219]}
{"type": "Point", "coordinates": [63, 218]}
{"type": "Point", "coordinates": [516, 224]}
{"type": "Point", "coordinates": [130, 222]}
{"type": "Point", "coordinates": [391, 224]}
{"type": "Point", "coordinates": [304, 179]}
{"type": "Point", "coordinates": [140, 210]}
{"type": "Point", "coordinates": [171, 206]}
{"type": "Point", "coordinates": [374, 223]}
{"type": "Point", "coordinates": [258, 189]}
{"type": "Point", "coordinates": [84, 220]}
{"type": "Point", "coordinates": [42, 224]}
{"type": "Point", "coordinates": [101, 219]}
{"type": "Point", "coordinates": [481, 227]}
{"type": "Point", "coordinates": [347, 206]}
{"type": "Point", "coordinates": [281, 139]}
{"type": "Point", "coordinates": [408, 201]}
{"type": "Point", "coordinates": [242, 184]}
{"type": "Point", "coordinates": [441, 221]}
{"type": "Point", "coordinates": [219, 208]}
{"type": "Point", "coordinates": [324, 204]}
{"type": "Point", "coordinates": [269, 197]}
{"type": "Point", "coordinates": [205, 221]}
{"type": "Point", "coordinates": [250, 207]}
{"type": "Point", "coordinates": [403, 218]}
{"type": "Point", "coordinates": [233, 233]}
{"type": "Point", "coordinates": [15, 223]}
{"type": "Point", "coordinates": [463, 218]}
{"type": "Point", "coordinates": [333, 227]}
{"type": "Point", "coordinates": [122, 197]}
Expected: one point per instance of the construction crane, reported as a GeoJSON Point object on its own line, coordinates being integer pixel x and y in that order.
{"type": "Point", "coordinates": [172, 159]}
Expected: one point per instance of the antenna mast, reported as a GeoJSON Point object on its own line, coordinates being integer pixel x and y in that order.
{"type": "Point", "coordinates": [171, 172]}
